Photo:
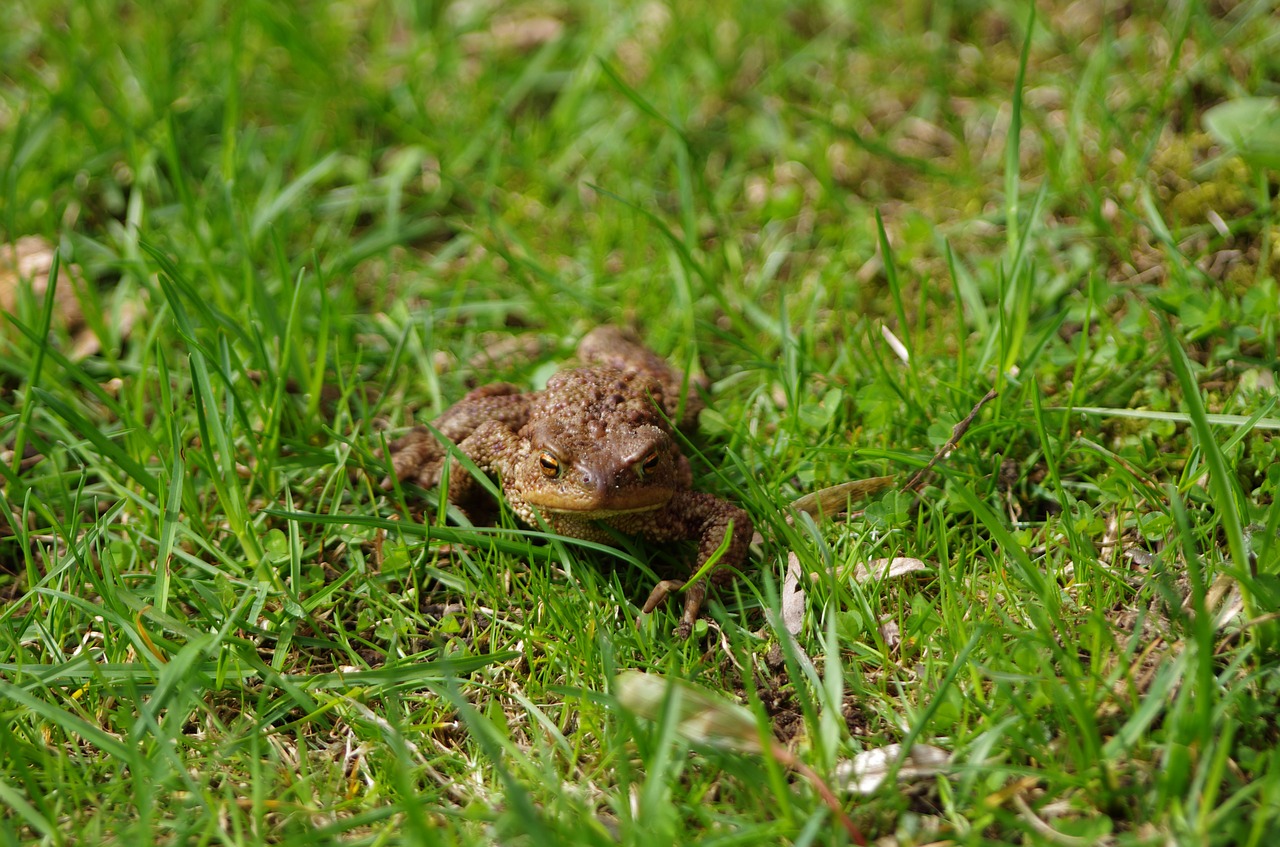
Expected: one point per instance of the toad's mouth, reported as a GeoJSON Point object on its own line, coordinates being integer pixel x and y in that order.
{"type": "Point", "coordinates": [601, 512]}
{"type": "Point", "coordinates": [588, 505]}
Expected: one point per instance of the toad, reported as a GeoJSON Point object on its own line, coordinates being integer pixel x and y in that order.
{"type": "Point", "coordinates": [593, 452]}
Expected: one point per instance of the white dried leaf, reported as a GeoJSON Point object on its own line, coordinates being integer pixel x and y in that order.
{"type": "Point", "coordinates": [835, 499]}
{"type": "Point", "coordinates": [899, 349]}
{"type": "Point", "coordinates": [28, 262]}
{"type": "Point", "coordinates": [793, 596]}
{"type": "Point", "coordinates": [898, 566]}
{"type": "Point", "coordinates": [1224, 600]}
{"type": "Point", "coordinates": [866, 771]}
{"type": "Point", "coordinates": [890, 632]}
{"type": "Point", "coordinates": [704, 718]}
{"type": "Point", "coordinates": [518, 34]}
{"type": "Point", "coordinates": [1139, 556]}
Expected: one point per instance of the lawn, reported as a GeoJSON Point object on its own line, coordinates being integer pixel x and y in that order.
{"type": "Point", "coordinates": [1024, 266]}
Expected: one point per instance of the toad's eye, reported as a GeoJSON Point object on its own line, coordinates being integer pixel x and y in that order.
{"type": "Point", "coordinates": [549, 463]}
{"type": "Point", "coordinates": [650, 461]}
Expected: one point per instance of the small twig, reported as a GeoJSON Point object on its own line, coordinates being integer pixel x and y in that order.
{"type": "Point", "coordinates": [788, 759]}
{"type": "Point", "coordinates": [957, 432]}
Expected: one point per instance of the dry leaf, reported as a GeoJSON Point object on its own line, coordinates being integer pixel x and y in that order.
{"type": "Point", "coordinates": [890, 632]}
{"type": "Point", "coordinates": [878, 569]}
{"type": "Point", "coordinates": [867, 770]}
{"type": "Point", "coordinates": [28, 262]}
{"type": "Point", "coordinates": [704, 717]}
{"type": "Point", "coordinates": [708, 719]}
{"type": "Point", "coordinates": [836, 498]}
{"type": "Point", "coordinates": [30, 458]}
{"type": "Point", "coordinates": [793, 595]}
{"type": "Point", "coordinates": [899, 349]}
{"type": "Point", "coordinates": [1224, 600]}
{"type": "Point", "coordinates": [515, 34]}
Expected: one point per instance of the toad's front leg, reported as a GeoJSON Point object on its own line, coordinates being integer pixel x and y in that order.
{"type": "Point", "coordinates": [418, 456]}
{"type": "Point", "coordinates": [492, 447]}
{"type": "Point", "coordinates": [692, 514]}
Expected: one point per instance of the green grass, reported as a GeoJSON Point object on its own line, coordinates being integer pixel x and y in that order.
{"type": "Point", "coordinates": [299, 231]}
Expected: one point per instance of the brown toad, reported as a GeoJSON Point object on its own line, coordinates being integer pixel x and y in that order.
{"type": "Point", "coordinates": [593, 451]}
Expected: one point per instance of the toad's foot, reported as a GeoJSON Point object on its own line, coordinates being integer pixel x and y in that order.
{"type": "Point", "coordinates": [416, 457]}
{"type": "Point", "coordinates": [694, 595]}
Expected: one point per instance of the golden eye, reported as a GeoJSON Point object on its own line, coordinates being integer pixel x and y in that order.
{"type": "Point", "coordinates": [550, 464]}
{"type": "Point", "coordinates": [650, 461]}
